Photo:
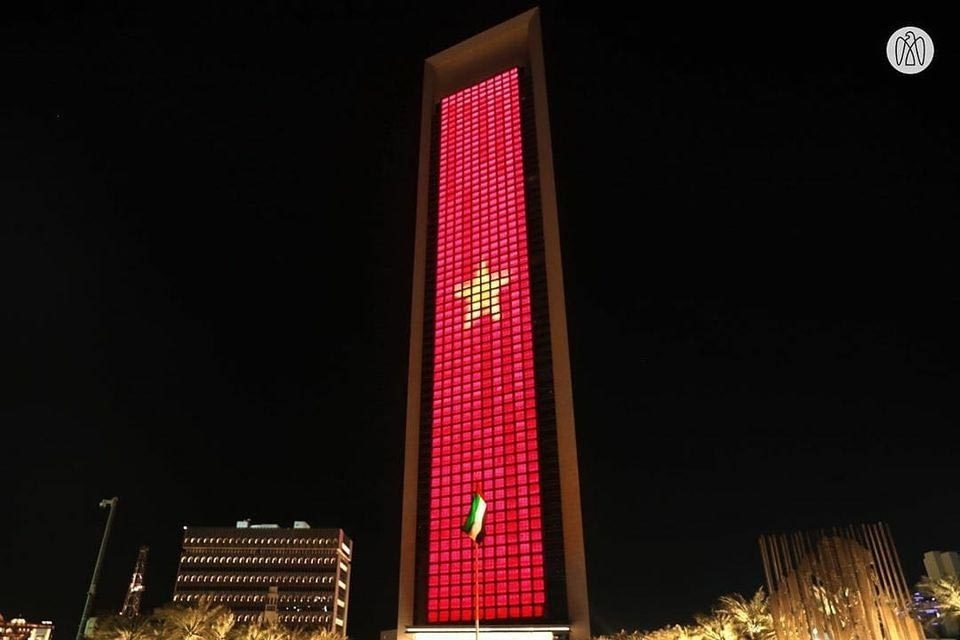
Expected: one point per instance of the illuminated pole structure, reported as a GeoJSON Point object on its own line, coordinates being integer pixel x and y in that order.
{"type": "Point", "coordinates": [131, 604]}
{"type": "Point", "coordinates": [112, 504]}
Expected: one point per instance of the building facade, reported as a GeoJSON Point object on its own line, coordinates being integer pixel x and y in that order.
{"type": "Point", "coordinates": [298, 576]}
{"type": "Point", "coordinates": [20, 629]}
{"type": "Point", "coordinates": [941, 564]}
{"type": "Point", "coordinates": [489, 406]}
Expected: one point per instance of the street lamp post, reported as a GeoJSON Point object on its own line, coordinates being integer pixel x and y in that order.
{"type": "Point", "coordinates": [112, 504]}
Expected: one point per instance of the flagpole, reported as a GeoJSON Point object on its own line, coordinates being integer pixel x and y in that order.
{"type": "Point", "coordinates": [476, 590]}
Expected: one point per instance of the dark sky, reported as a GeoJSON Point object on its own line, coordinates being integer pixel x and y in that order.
{"type": "Point", "coordinates": [207, 238]}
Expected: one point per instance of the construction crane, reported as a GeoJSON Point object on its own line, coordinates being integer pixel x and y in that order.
{"type": "Point", "coordinates": [131, 604]}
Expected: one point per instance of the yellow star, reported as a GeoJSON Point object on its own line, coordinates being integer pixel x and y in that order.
{"type": "Point", "coordinates": [483, 292]}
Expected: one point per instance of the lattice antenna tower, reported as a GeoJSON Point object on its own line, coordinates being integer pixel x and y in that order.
{"type": "Point", "coordinates": [131, 604]}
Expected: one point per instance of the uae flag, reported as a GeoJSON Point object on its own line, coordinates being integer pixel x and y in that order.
{"type": "Point", "coordinates": [473, 526]}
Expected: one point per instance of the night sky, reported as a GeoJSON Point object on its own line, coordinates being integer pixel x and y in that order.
{"type": "Point", "coordinates": [207, 243]}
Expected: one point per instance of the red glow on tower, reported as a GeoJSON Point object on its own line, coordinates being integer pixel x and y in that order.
{"type": "Point", "coordinates": [484, 419]}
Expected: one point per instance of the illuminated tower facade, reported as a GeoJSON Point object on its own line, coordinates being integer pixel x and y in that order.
{"type": "Point", "coordinates": [490, 405]}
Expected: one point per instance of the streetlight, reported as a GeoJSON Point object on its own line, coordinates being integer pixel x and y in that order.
{"type": "Point", "coordinates": [112, 504]}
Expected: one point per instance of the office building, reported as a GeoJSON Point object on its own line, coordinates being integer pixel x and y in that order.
{"type": "Point", "coordinates": [299, 576]}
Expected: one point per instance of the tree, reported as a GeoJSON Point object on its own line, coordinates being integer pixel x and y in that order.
{"type": "Point", "coordinates": [751, 618]}
{"type": "Point", "coordinates": [116, 627]}
{"type": "Point", "coordinates": [203, 621]}
{"type": "Point", "coordinates": [945, 593]}
{"type": "Point", "coordinates": [717, 626]}
{"type": "Point", "coordinates": [733, 617]}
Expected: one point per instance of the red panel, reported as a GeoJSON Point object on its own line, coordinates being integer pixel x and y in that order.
{"type": "Point", "coordinates": [484, 412]}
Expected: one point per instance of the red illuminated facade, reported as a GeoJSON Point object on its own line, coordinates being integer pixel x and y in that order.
{"type": "Point", "coordinates": [490, 404]}
{"type": "Point", "coordinates": [484, 416]}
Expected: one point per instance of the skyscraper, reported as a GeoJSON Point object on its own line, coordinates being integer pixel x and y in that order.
{"type": "Point", "coordinates": [489, 408]}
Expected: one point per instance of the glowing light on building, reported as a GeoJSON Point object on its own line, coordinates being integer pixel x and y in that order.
{"type": "Point", "coordinates": [484, 424]}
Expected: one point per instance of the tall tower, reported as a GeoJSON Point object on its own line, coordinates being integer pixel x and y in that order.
{"type": "Point", "coordinates": [131, 604]}
{"type": "Point", "coordinates": [489, 405]}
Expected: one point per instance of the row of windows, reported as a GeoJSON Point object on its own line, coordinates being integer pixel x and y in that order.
{"type": "Point", "coordinates": [487, 95]}
{"type": "Point", "coordinates": [266, 552]}
{"type": "Point", "coordinates": [495, 586]}
{"type": "Point", "coordinates": [250, 578]}
{"type": "Point", "coordinates": [508, 501]}
{"type": "Point", "coordinates": [488, 161]}
{"type": "Point", "coordinates": [519, 478]}
{"type": "Point", "coordinates": [500, 398]}
{"type": "Point", "coordinates": [474, 358]}
{"type": "Point", "coordinates": [490, 90]}
{"type": "Point", "coordinates": [445, 479]}
{"type": "Point", "coordinates": [483, 219]}
{"type": "Point", "coordinates": [463, 237]}
{"type": "Point", "coordinates": [496, 206]}
{"type": "Point", "coordinates": [507, 555]}
{"type": "Point", "coordinates": [466, 113]}
{"type": "Point", "coordinates": [472, 420]}
{"type": "Point", "coordinates": [515, 520]}
{"type": "Point", "coordinates": [438, 611]}
{"type": "Point", "coordinates": [515, 443]}
{"type": "Point", "coordinates": [482, 222]}
{"type": "Point", "coordinates": [512, 468]}
{"type": "Point", "coordinates": [460, 419]}
{"type": "Point", "coordinates": [474, 423]}
{"type": "Point", "coordinates": [286, 618]}
{"type": "Point", "coordinates": [482, 211]}
{"type": "Point", "coordinates": [519, 541]}
{"type": "Point", "coordinates": [480, 139]}
{"type": "Point", "coordinates": [258, 560]}
{"type": "Point", "coordinates": [450, 443]}
{"type": "Point", "coordinates": [467, 419]}
{"type": "Point", "coordinates": [504, 120]}
{"type": "Point", "coordinates": [454, 481]}
{"type": "Point", "coordinates": [498, 382]}
{"type": "Point", "coordinates": [259, 541]}
{"type": "Point", "coordinates": [301, 598]}
{"type": "Point", "coordinates": [495, 341]}
{"type": "Point", "coordinates": [486, 397]}
{"type": "Point", "coordinates": [452, 487]}
{"type": "Point", "coordinates": [459, 242]}
{"type": "Point", "coordinates": [483, 111]}
{"type": "Point", "coordinates": [500, 190]}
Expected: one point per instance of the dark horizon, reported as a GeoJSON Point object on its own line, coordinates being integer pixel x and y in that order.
{"type": "Point", "coordinates": [209, 241]}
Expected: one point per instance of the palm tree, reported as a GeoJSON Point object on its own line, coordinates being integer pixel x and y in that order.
{"type": "Point", "coordinates": [752, 618]}
{"type": "Point", "coordinates": [116, 627]}
{"type": "Point", "coordinates": [718, 626]}
{"type": "Point", "coordinates": [672, 632]}
{"type": "Point", "coordinates": [203, 621]}
{"type": "Point", "coordinates": [945, 592]}
{"type": "Point", "coordinates": [272, 630]}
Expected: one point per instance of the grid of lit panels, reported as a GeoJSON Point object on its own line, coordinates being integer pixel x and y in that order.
{"type": "Point", "coordinates": [484, 420]}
